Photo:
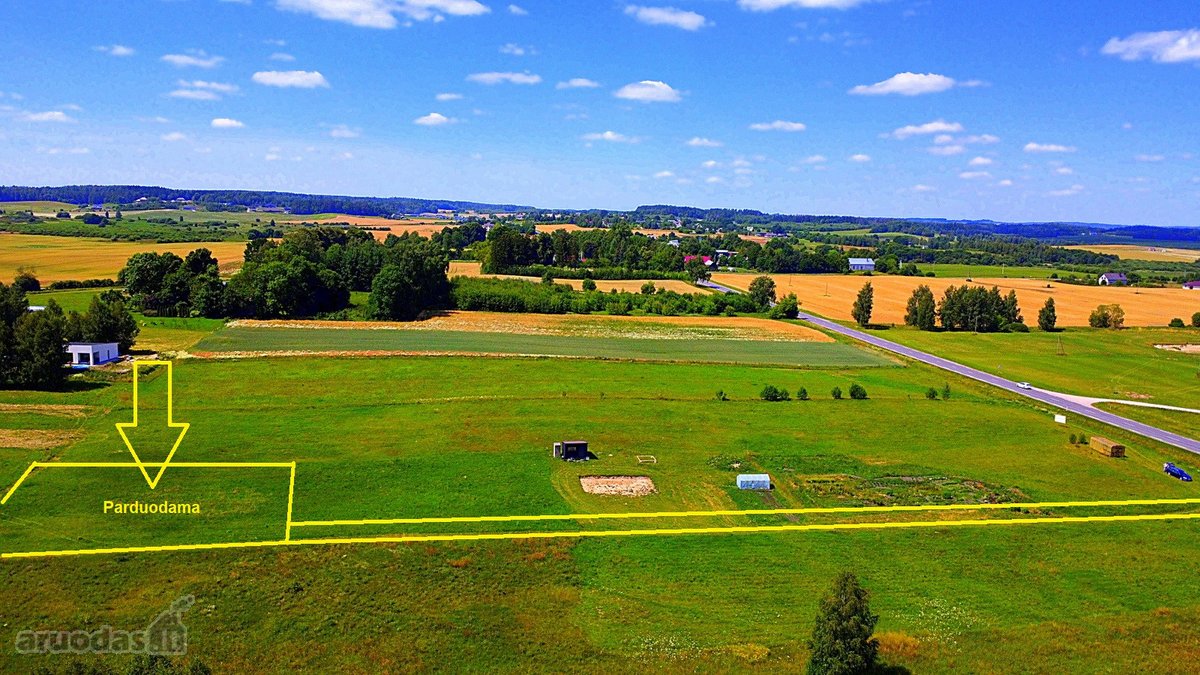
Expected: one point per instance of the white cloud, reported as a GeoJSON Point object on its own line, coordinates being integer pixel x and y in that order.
{"type": "Point", "coordinates": [778, 125]}
{"type": "Point", "coordinates": [196, 58]}
{"type": "Point", "coordinates": [300, 79]}
{"type": "Point", "coordinates": [1048, 147]}
{"type": "Point", "coordinates": [219, 87]}
{"type": "Point", "coordinates": [909, 84]}
{"type": "Point", "coordinates": [923, 188]}
{"type": "Point", "coordinates": [981, 139]}
{"type": "Point", "coordinates": [174, 137]}
{"type": "Point", "coordinates": [1064, 171]}
{"type": "Point", "coordinates": [116, 50]}
{"type": "Point", "coordinates": [343, 131]}
{"type": "Point", "coordinates": [947, 150]}
{"type": "Point", "coordinates": [48, 116]}
{"type": "Point", "coordinates": [434, 119]}
{"type": "Point", "coordinates": [667, 16]}
{"type": "Point", "coordinates": [155, 120]}
{"type": "Point", "coordinates": [577, 83]}
{"type": "Point", "coordinates": [741, 162]}
{"type": "Point", "coordinates": [66, 151]}
{"type": "Point", "coordinates": [981, 161]}
{"type": "Point", "coordinates": [698, 142]}
{"type": "Point", "coordinates": [1168, 46]}
{"type": "Point", "coordinates": [772, 5]}
{"type": "Point", "coordinates": [500, 78]}
{"type": "Point", "coordinates": [610, 137]}
{"type": "Point", "coordinates": [383, 13]}
{"type": "Point", "coordinates": [1069, 192]}
{"type": "Point", "coordinates": [1005, 183]}
{"type": "Point", "coordinates": [513, 49]}
{"type": "Point", "coordinates": [449, 97]}
{"type": "Point", "coordinates": [814, 159]}
{"type": "Point", "coordinates": [860, 158]}
{"type": "Point", "coordinates": [711, 164]}
{"type": "Point", "coordinates": [939, 126]}
{"type": "Point", "coordinates": [649, 91]}
{"type": "Point", "coordinates": [282, 56]}
{"type": "Point", "coordinates": [664, 174]}
{"type": "Point", "coordinates": [1149, 158]}
{"type": "Point", "coordinates": [226, 123]}
{"type": "Point", "coordinates": [195, 95]}
{"type": "Point", "coordinates": [516, 10]}
{"type": "Point", "coordinates": [714, 180]}
{"type": "Point", "coordinates": [972, 175]}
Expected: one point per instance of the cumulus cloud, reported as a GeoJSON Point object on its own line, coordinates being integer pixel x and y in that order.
{"type": "Point", "coordinates": [981, 161]}
{"type": "Point", "coordinates": [947, 150]}
{"type": "Point", "coordinates": [195, 95]}
{"type": "Point", "coordinates": [219, 87]}
{"type": "Point", "coordinates": [1150, 158]}
{"type": "Point", "coordinates": [860, 158]}
{"type": "Point", "coordinates": [193, 58]}
{"type": "Point", "coordinates": [383, 13]}
{"type": "Point", "coordinates": [577, 83]}
{"type": "Point", "coordinates": [610, 137]}
{"type": "Point", "coordinates": [1064, 171]}
{"type": "Point", "coordinates": [299, 79]}
{"type": "Point", "coordinates": [973, 175]}
{"type": "Point", "coordinates": [699, 142]}
{"type": "Point", "coordinates": [343, 131]}
{"type": "Point", "coordinates": [226, 123]}
{"type": "Point", "coordinates": [772, 5]}
{"type": "Point", "coordinates": [778, 125]}
{"type": "Point", "coordinates": [1048, 147]}
{"type": "Point", "coordinates": [814, 159]}
{"type": "Point", "coordinates": [667, 16]}
{"type": "Point", "coordinates": [910, 84]}
{"type": "Point", "coordinates": [282, 56]}
{"type": "Point", "coordinates": [501, 78]}
{"type": "Point", "coordinates": [174, 137]}
{"type": "Point", "coordinates": [711, 164]}
{"type": "Point", "coordinates": [434, 119]}
{"type": "Point", "coordinates": [1168, 46]}
{"type": "Point", "coordinates": [1005, 183]}
{"type": "Point", "coordinates": [923, 188]}
{"type": "Point", "coordinates": [48, 116]}
{"type": "Point", "coordinates": [448, 96]}
{"type": "Point", "coordinates": [514, 49]}
{"type": "Point", "coordinates": [517, 10]}
{"type": "Point", "coordinates": [939, 126]}
{"type": "Point", "coordinates": [1069, 192]}
{"type": "Point", "coordinates": [649, 91]}
{"type": "Point", "coordinates": [665, 174]}
{"type": "Point", "coordinates": [116, 50]}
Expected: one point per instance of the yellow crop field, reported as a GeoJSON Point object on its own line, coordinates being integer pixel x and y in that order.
{"type": "Point", "coordinates": [832, 296]}
{"type": "Point", "coordinates": [1152, 253]}
{"type": "Point", "coordinates": [60, 258]}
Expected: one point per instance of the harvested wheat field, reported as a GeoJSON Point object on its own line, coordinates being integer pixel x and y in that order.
{"type": "Point", "coordinates": [58, 258]}
{"type": "Point", "coordinates": [635, 327]}
{"type": "Point", "coordinates": [1152, 253]}
{"type": "Point", "coordinates": [832, 296]}
{"type": "Point", "coordinates": [471, 269]}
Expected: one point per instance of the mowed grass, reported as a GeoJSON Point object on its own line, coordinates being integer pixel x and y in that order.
{"type": "Point", "coordinates": [60, 258]}
{"type": "Point", "coordinates": [1100, 363]}
{"type": "Point", "coordinates": [1185, 423]}
{"type": "Point", "coordinates": [386, 438]}
{"type": "Point", "coordinates": [995, 271]}
{"type": "Point", "coordinates": [827, 355]}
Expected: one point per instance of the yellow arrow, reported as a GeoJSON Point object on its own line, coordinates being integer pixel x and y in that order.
{"type": "Point", "coordinates": [182, 426]}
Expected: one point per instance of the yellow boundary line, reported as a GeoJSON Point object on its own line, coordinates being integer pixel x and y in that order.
{"type": "Point", "coordinates": [171, 423]}
{"type": "Point", "coordinates": [598, 533]}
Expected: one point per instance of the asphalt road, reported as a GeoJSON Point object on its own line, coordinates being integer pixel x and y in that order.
{"type": "Point", "coordinates": [1047, 397]}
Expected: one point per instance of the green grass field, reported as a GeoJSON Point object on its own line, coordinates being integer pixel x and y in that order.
{"type": "Point", "coordinates": [993, 271]}
{"type": "Point", "coordinates": [386, 438]}
{"type": "Point", "coordinates": [811, 354]}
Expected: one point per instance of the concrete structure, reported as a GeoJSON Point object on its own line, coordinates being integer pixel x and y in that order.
{"type": "Point", "coordinates": [862, 265]}
{"type": "Point", "coordinates": [88, 354]}
{"type": "Point", "coordinates": [753, 481]}
{"type": "Point", "coordinates": [1113, 279]}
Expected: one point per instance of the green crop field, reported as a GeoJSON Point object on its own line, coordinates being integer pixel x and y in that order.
{"type": "Point", "coordinates": [455, 436]}
{"type": "Point", "coordinates": [994, 271]}
{"type": "Point", "coordinates": [812, 354]}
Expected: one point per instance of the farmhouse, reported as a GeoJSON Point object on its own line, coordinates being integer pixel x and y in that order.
{"type": "Point", "coordinates": [1192, 286]}
{"type": "Point", "coordinates": [753, 481]}
{"type": "Point", "coordinates": [87, 354]}
{"type": "Point", "coordinates": [862, 265]}
{"type": "Point", "coordinates": [1113, 279]}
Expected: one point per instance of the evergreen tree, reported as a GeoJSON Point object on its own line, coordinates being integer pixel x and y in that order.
{"type": "Point", "coordinates": [842, 642]}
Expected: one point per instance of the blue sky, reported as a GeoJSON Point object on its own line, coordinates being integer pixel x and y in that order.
{"type": "Point", "coordinates": [1002, 109]}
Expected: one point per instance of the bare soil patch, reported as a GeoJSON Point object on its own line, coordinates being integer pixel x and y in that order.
{"type": "Point", "coordinates": [35, 439]}
{"type": "Point", "coordinates": [623, 486]}
{"type": "Point", "coordinates": [40, 409]}
{"type": "Point", "coordinates": [1186, 349]}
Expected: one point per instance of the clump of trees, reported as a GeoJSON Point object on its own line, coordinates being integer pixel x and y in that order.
{"type": "Point", "coordinates": [773, 393]}
{"type": "Point", "coordinates": [516, 295]}
{"type": "Point", "coordinates": [788, 307]}
{"type": "Point", "coordinates": [1176, 323]}
{"type": "Point", "coordinates": [1107, 316]}
{"type": "Point", "coordinates": [842, 641]}
{"type": "Point", "coordinates": [978, 309]}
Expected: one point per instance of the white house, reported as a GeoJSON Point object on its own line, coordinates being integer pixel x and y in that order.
{"type": "Point", "coordinates": [87, 354]}
{"type": "Point", "coordinates": [862, 265]}
{"type": "Point", "coordinates": [1113, 279]}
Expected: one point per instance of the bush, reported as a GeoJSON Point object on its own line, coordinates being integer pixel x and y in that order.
{"type": "Point", "coordinates": [931, 394]}
{"type": "Point", "coordinates": [721, 395]}
{"type": "Point", "coordinates": [1074, 439]}
{"type": "Point", "coordinates": [1107, 316]}
{"type": "Point", "coordinates": [772, 393]}
{"type": "Point", "coordinates": [589, 285]}
{"type": "Point", "coordinates": [1016, 328]}
{"type": "Point", "coordinates": [836, 393]}
{"type": "Point", "coordinates": [857, 392]}
{"type": "Point", "coordinates": [1176, 323]}
{"type": "Point", "coordinates": [946, 392]}
{"type": "Point", "coordinates": [802, 395]}
{"type": "Point", "coordinates": [788, 307]}
{"type": "Point", "coordinates": [1196, 320]}
{"type": "Point", "coordinates": [648, 288]}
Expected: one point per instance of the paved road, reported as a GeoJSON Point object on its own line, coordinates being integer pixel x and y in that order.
{"type": "Point", "coordinates": [1047, 397]}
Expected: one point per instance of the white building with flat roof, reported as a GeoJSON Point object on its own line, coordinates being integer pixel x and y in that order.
{"type": "Point", "coordinates": [88, 354]}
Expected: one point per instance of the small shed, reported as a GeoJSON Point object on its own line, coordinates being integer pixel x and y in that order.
{"type": "Point", "coordinates": [573, 451]}
{"type": "Point", "coordinates": [862, 264]}
{"type": "Point", "coordinates": [88, 354]}
{"type": "Point", "coordinates": [753, 481]}
{"type": "Point", "coordinates": [1106, 447]}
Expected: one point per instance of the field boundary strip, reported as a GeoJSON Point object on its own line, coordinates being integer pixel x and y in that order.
{"type": "Point", "coordinates": [289, 523]}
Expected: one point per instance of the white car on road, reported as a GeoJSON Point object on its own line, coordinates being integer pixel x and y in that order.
{"type": "Point", "coordinates": [1024, 385]}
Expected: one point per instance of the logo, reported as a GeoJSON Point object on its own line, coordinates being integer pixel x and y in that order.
{"type": "Point", "coordinates": [166, 635]}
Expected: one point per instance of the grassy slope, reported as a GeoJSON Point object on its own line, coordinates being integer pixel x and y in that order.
{"type": "Point", "coordinates": [1184, 423]}
{"type": "Point", "coordinates": [710, 351]}
{"type": "Point", "coordinates": [437, 436]}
